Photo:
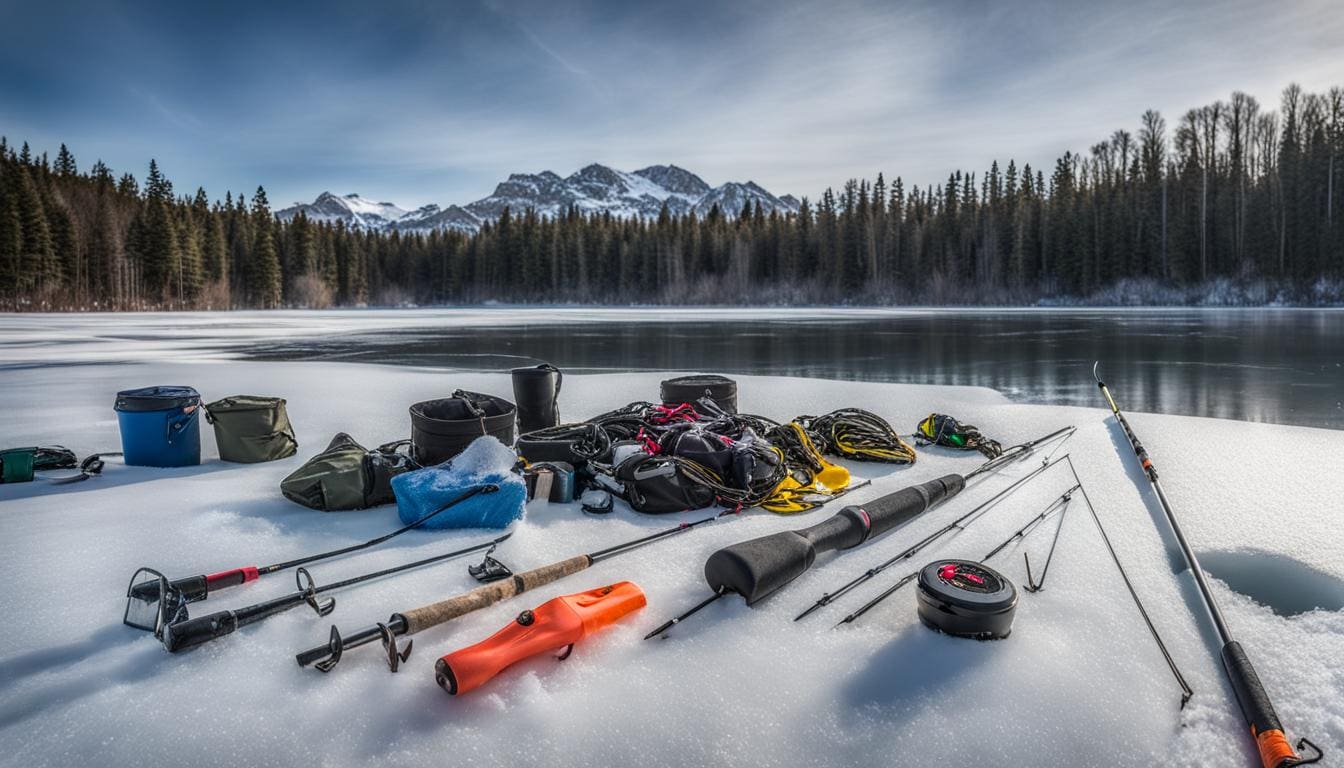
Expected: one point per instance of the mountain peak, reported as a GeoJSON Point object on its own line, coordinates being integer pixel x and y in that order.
{"type": "Point", "coordinates": [676, 180]}
{"type": "Point", "coordinates": [593, 189]}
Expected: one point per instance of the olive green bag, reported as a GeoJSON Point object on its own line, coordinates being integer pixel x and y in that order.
{"type": "Point", "coordinates": [348, 476]}
{"type": "Point", "coordinates": [250, 429]}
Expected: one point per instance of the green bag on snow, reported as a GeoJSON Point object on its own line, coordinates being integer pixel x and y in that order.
{"type": "Point", "coordinates": [251, 429]}
{"type": "Point", "coordinates": [348, 476]}
{"type": "Point", "coordinates": [16, 465]}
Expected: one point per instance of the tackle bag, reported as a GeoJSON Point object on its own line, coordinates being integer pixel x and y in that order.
{"type": "Point", "coordinates": [250, 429]}
{"type": "Point", "coordinates": [17, 464]}
{"type": "Point", "coordinates": [485, 462]}
{"type": "Point", "coordinates": [688, 389]}
{"type": "Point", "coordinates": [941, 429]}
{"type": "Point", "coordinates": [347, 476]}
{"type": "Point", "coordinates": [657, 485]}
{"type": "Point", "coordinates": [441, 429]}
{"type": "Point", "coordinates": [575, 444]}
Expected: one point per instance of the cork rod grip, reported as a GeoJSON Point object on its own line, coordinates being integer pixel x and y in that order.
{"type": "Point", "coordinates": [486, 596]}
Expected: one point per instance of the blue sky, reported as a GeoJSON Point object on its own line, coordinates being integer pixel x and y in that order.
{"type": "Point", "coordinates": [436, 102]}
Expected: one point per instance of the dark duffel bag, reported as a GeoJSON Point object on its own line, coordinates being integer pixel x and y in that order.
{"type": "Point", "coordinates": [688, 389]}
{"type": "Point", "coordinates": [656, 485]}
{"type": "Point", "coordinates": [348, 476]}
{"type": "Point", "coordinates": [441, 429]}
{"type": "Point", "coordinates": [251, 429]}
{"type": "Point", "coordinates": [575, 444]}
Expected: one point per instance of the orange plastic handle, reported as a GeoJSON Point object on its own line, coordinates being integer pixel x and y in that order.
{"type": "Point", "coordinates": [555, 624]}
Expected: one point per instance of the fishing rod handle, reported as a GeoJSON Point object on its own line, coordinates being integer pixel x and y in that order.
{"type": "Point", "coordinates": [489, 594]}
{"type": "Point", "coordinates": [1275, 751]}
{"type": "Point", "coordinates": [203, 629]}
{"type": "Point", "coordinates": [558, 623]}
{"type": "Point", "coordinates": [232, 578]}
{"type": "Point", "coordinates": [756, 568]}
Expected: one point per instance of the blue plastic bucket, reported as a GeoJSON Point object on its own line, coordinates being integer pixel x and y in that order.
{"type": "Point", "coordinates": [160, 426]}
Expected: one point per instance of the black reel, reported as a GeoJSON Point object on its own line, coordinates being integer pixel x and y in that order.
{"type": "Point", "coordinates": [964, 598]}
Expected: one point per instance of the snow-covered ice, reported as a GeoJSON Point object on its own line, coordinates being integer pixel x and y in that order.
{"type": "Point", "coordinates": [1079, 682]}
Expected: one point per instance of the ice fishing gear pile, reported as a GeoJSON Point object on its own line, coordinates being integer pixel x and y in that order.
{"type": "Point", "coordinates": [678, 456]}
{"type": "Point", "coordinates": [462, 468]}
{"type": "Point", "coordinates": [759, 567]}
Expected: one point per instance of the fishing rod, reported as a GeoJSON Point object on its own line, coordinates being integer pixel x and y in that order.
{"type": "Point", "coordinates": [757, 568]}
{"type": "Point", "coordinates": [1061, 502]}
{"type": "Point", "coordinates": [913, 549]}
{"type": "Point", "coordinates": [179, 632]}
{"type": "Point", "coordinates": [1186, 691]}
{"type": "Point", "coordinates": [325, 657]}
{"type": "Point", "coordinates": [1271, 742]}
{"type": "Point", "coordinates": [196, 588]}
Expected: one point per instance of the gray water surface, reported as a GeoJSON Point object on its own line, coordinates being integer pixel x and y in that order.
{"type": "Point", "coordinates": [1280, 366]}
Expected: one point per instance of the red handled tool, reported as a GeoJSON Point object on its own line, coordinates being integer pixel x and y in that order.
{"type": "Point", "coordinates": [555, 624]}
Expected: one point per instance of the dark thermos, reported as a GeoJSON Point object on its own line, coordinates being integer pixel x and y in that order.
{"type": "Point", "coordinates": [536, 390]}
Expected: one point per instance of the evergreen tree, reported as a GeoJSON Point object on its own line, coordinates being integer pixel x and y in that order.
{"type": "Point", "coordinates": [263, 274]}
{"type": "Point", "coordinates": [65, 163]}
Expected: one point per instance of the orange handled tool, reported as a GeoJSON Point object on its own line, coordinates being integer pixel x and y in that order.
{"type": "Point", "coordinates": [558, 623]}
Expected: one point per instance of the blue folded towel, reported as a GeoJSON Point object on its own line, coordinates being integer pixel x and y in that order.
{"type": "Point", "coordinates": [485, 461]}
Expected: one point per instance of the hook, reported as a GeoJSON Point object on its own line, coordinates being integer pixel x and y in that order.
{"type": "Point", "coordinates": [395, 655]}
{"type": "Point", "coordinates": [568, 650]}
{"type": "Point", "coordinates": [323, 607]}
{"type": "Point", "coordinates": [1317, 753]}
{"type": "Point", "coordinates": [489, 569]}
{"type": "Point", "coordinates": [335, 644]}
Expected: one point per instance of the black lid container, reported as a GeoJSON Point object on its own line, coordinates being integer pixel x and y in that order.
{"type": "Point", "coordinates": [688, 389]}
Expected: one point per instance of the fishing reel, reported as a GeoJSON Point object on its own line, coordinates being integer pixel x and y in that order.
{"type": "Point", "coordinates": [964, 598]}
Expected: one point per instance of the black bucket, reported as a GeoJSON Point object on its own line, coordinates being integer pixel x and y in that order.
{"type": "Point", "coordinates": [441, 429]}
{"type": "Point", "coordinates": [687, 389]}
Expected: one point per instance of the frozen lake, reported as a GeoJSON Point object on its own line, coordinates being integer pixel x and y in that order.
{"type": "Point", "coordinates": [1282, 366]}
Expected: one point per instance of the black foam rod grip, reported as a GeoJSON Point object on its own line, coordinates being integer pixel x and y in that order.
{"type": "Point", "coordinates": [1251, 696]}
{"type": "Point", "coordinates": [193, 632]}
{"type": "Point", "coordinates": [757, 568]}
{"type": "Point", "coordinates": [895, 509]}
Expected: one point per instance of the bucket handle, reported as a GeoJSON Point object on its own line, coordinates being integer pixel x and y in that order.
{"type": "Point", "coordinates": [476, 411]}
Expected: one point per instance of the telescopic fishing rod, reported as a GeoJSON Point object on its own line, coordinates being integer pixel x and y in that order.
{"type": "Point", "coordinates": [196, 588]}
{"type": "Point", "coordinates": [914, 549]}
{"type": "Point", "coordinates": [757, 568]}
{"type": "Point", "coordinates": [1273, 746]}
{"type": "Point", "coordinates": [1061, 502]}
{"type": "Point", "coordinates": [179, 632]}
{"type": "Point", "coordinates": [325, 657]}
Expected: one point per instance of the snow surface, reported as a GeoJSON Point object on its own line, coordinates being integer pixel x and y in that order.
{"type": "Point", "coordinates": [1079, 683]}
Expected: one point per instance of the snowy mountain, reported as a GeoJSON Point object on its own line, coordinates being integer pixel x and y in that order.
{"type": "Point", "coordinates": [592, 189]}
{"type": "Point", "coordinates": [352, 209]}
